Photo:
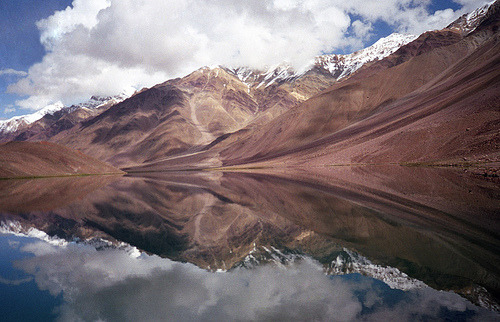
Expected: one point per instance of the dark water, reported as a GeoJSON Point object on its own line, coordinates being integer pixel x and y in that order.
{"type": "Point", "coordinates": [330, 244]}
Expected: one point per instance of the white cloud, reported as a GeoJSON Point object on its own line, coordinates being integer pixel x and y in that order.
{"type": "Point", "coordinates": [361, 29]}
{"type": "Point", "coordinates": [81, 13]}
{"type": "Point", "coordinates": [470, 5]}
{"type": "Point", "coordinates": [101, 46]}
{"type": "Point", "coordinates": [10, 71]}
{"type": "Point", "coordinates": [9, 109]}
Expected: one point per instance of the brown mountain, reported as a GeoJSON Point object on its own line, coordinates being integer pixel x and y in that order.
{"type": "Point", "coordinates": [56, 121]}
{"type": "Point", "coordinates": [208, 105]}
{"type": "Point", "coordinates": [41, 159]}
{"type": "Point", "coordinates": [183, 115]}
{"type": "Point", "coordinates": [434, 100]}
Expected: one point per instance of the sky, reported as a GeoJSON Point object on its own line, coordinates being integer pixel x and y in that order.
{"type": "Point", "coordinates": [66, 51]}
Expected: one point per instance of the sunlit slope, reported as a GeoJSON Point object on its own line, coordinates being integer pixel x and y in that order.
{"type": "Point", "coordinates": [40, 159]}
{"type": "Point", "coordinates": [441, 103]}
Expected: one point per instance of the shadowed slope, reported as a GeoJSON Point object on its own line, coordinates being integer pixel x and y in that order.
{"type": "Point", "coordinates": [435, 99]}
{"type": "Point", "coordinates": [181, 116]}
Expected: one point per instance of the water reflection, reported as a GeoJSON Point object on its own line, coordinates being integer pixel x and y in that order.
{"type": "Point", "coordinates": [114, 284]}
{"type": "Point", "coordinates": [435, 225]}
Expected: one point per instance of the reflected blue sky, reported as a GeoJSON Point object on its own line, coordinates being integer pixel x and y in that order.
{"type": "Point", "coordinates": [76, 281]}
{"type": "Point", "coordinates": [20, 296]}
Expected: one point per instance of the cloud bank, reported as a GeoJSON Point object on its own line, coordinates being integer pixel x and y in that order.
{"type": "Point", "coordinates": [112, 285]}
{"type": "Point", "coordinates": [99, 47]}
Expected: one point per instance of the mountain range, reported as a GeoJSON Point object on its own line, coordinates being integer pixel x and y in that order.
{"type": "Point", "coordinates": [405, 99]}
{"type": "Point", "coordinates": [432, 101]}
{"type": "Point", "coordinates": [207, 104]}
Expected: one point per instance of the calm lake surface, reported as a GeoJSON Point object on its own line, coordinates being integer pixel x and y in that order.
{"type": "Point", "coordinates": [340, 243]}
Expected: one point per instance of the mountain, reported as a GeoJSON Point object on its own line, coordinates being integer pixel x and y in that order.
{"type": "Point", "coordinates": [338, 66]}
{"type": "Point", "coordinates": [215, 102]}
{"type": "Point", "coordinates": [185, 115]}
{"type": "Point", "coordinates": [402, 100]}
{"type": "Point", "coordinates": [433, 100]}
{"type": "Point", "coordinates": [20, 122]}
{"type": "Point", "coordinates": [342, 66]}
{"type": "Point", "coordinates": [55, 118]}
{"type": "Point", "coordinates": [435, 225]}
{"type": "Point", "coordinates": [467, 23]}
{"type": "Point", "coordinates": [42, 159]}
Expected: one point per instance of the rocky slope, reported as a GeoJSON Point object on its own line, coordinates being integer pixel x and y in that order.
{"type": "Point", "coordinates": [209, 104]}
{"type": "Point", "coordinates": [55, 118]}
{"type": "Point", "coordinates": [386, 103]}
{"type": "Point", "coordinates": [30, 159]}
{"type": "Point", "coordinates": [184, 115]}
{"type": "Point", "coordinates": [467, 23]}
{"type": "Point", "coordinates": [435, 99]}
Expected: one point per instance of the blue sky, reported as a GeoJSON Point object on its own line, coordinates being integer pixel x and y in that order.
{"type": "Point", "coordinates": [99, 47]}
{"type": "Point", "coordinates": [20, 45]}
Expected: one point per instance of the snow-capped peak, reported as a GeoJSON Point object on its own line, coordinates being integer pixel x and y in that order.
{"type": "Point", "coordinates": [341, 66]}
{"type": "Point", "coordinates": [348, 262]}
{"type": "Point", "coordinates": [15, 122]}
{"type": "Point", "coordinates": [277, 73]}
{"type": "Point", "coordinates": [470, 21]}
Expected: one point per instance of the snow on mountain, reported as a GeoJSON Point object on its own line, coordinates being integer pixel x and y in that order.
{"type": "Point", "coordinates": [278, 73]}
{"type": "Point", "coordinates": [348, 262]}
{"type": "Point", "coordinates": [98, 101]}
{"type": "Point", "coordinates": [339, 66]}
{"type": "Point", "coordinates": [17, 229]}
{"type": "Point", "coordinates": [470, 21]}
{"type": "Point", "coordinates": [262, 255]}
{"type": "Point", "coordinates": [17, 122]}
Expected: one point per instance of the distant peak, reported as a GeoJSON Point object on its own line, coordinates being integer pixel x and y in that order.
{"type": "Point", "coordinates": [15, 122]}
{"type": "Point", "coordinates": [341, 66]}
{"type": "Point", "coordinates": [468, 22]}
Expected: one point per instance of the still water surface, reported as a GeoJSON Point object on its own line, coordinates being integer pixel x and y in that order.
{"type": "Point", "coordinates": [330, 244]}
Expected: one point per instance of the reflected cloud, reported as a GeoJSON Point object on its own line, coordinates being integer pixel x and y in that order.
{"type": "Point", "coordinates": [110, 284]}
{"type": "Point", "coordinates": [15, 282]}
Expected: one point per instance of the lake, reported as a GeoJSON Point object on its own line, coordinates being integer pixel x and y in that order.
{"type": "Point", "coordinates": [330, 243]}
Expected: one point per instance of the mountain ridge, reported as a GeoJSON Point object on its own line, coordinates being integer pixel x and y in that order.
{"type": "Point", "coordinates": [229, 117]}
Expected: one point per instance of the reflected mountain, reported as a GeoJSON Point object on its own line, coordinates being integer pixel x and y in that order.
{"type": "Point", "coordinates": [434, 225]}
